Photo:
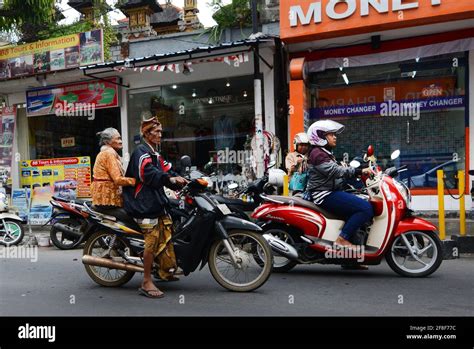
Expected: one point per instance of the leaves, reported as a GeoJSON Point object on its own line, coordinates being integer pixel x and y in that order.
{"type": "Point", "coordinates": [237, 14]}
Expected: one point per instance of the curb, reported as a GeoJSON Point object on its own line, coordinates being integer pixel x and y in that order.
{"type": "Point", "coordinates": [465, 243]}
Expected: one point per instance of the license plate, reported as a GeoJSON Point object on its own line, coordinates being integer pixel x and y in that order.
{"type": "Point", "coordinates": [224, 209]}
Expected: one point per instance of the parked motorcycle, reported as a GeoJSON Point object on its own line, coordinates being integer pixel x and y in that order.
{"type": "Point", "coordinates": [239, 257]}
{"type": "Point", "coordinates": [409, 244]}
{"type": "Point", "coordinates": [70, 223]}
{"type": "Point", "coordinates": [11, 228]}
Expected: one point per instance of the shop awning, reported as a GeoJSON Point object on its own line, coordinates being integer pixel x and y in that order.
{"type": "Point", "coordinates": [198, 52]}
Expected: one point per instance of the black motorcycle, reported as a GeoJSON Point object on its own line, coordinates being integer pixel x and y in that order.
{"type": "Point", "coordinates": [70, 223]}
{"type": "Point", "coordinates": [239, 257]}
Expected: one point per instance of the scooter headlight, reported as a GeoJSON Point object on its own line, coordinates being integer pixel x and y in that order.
{"type": "Point", "coordinates": [404, 192]}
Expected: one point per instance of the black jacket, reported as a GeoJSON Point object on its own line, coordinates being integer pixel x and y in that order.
{"type": "Point", "coordinates": [147, 199]}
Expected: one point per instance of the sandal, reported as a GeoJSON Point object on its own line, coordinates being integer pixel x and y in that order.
{"type": "Point", "coordinates": [148, 293]}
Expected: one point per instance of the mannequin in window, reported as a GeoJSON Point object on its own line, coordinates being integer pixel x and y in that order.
{"type": "Point", "coordinates": [224, 134]}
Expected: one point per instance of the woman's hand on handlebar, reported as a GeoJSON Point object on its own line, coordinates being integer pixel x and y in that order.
{"type": "Point", "coordinates": [368, 172]}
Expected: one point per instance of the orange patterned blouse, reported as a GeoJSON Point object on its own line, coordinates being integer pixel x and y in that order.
{"type": "Point", "coordinates": [109, 178]}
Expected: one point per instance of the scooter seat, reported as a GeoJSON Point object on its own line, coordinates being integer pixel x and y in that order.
{"type": "Point", "coordinates": [293, 200]}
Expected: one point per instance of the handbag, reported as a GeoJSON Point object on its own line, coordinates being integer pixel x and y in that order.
{"type": "Point", "coordinates": [298, 181]}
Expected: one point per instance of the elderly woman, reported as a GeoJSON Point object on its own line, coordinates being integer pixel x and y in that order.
{"type": "Point", "coordinates": [108, 172]}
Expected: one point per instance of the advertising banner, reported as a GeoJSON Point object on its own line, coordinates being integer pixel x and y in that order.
{"type": "Point", "coordinates": [51, 55]}
{"type": "Point", "coordinates": [7, 130]}
{"type": "Point", "coordinates": [68, 176]}
{"type": "Point", "coordinates": [71, 99]}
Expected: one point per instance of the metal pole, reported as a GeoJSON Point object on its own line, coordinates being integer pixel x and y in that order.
{"type": "Point", "coordinates": [257, 84]}
{"type": "Point", "coordinates": [462, 205]}
{"type": "Point", "coordinates": [442, 224]}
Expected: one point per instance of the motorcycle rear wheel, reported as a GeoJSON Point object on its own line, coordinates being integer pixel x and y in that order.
{"type": "Point", "coordinates": [256, 257]}
{"type": "Point", "coordinates": [101, 275]}
{"type": "Point", "coordinates": [59, 238]}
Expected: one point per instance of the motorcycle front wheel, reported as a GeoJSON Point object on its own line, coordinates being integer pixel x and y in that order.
{"type": "Point", "coordinates": [11, 233]}
{"type": "Point", "coordinates": [254, 261]}
{"type": "Point", "coordinates": [415, 254]}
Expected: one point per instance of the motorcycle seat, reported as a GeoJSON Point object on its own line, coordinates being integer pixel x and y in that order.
{"type": "Point", "coordinates": [77, 201]}
{"type": "Point", "coordinates": [288, 200]}
{"type": "Point", "coordinates": [244, 205]}
{"type": "Point", "coordinates": [120, 214]}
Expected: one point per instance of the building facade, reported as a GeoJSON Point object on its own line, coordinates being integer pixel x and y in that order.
{"type": "Point", "coordinates": [397, 74]}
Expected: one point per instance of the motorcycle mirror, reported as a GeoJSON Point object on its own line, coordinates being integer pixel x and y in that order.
{"type": "Point", "coordinates": [354, 163]}
{"type": "Point", "coordinates": [471, 172]}
{"type": "Point", "coordinates": [370, 151]}
{"type": "Point", "coordinates": [185, 161]}
{"type": "Point", "coordinates": [395, 154]}
{"type": "Point", "coordinates": [232, 186]}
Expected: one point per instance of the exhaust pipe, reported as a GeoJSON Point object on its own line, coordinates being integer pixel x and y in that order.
{"type": "Point", "coordinates": [70, 232]}
{"type": "Point", "coordinates": [108, 263]}
{"type": "Point", "coordinates": [280, 247]}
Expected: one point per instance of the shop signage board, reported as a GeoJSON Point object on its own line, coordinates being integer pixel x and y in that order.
{"type": "Point", "coordinates": [40, 57]}
{"type": "Point", "coordinates": [77, 99]}
{"type": "Point", "coordinates": [7, 131]}
{"type": "Point", "coordinates": [389, 108]}
{"type": "Point", "coordinates": [20, 202]}
{"type": "Point", "coordinates": [40, 208]}
{"type": "Point", "coordinates": [306, 20]}
{"type": "Point", "coordinates": [74, 173]}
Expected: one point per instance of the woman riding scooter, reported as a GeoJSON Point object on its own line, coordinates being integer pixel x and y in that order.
{"type": "Point", "coordinates": [326, 178]}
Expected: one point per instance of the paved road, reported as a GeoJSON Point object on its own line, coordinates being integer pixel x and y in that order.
{"type": "Point", "coordinates": [46, 288]}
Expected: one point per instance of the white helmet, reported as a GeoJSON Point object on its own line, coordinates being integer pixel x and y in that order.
{"type": "Point", "coordinates": [300, 138]}
{"type": "Point", "coordinates": [318, 130]}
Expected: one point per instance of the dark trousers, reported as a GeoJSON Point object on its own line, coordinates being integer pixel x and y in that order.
{"type": "Point", "coordinates": [353, 209]}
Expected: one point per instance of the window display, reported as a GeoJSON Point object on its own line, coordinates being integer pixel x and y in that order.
{"type": "Point", "coordinates": [200, 119]}
{"type": "Point", "coordinates": [416, 106]}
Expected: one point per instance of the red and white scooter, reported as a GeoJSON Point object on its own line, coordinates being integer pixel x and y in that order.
{"type": "Point", "coordinates": [409, 244]}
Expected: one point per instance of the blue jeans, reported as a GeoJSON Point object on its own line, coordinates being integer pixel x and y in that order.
{"type": "Point", "coordinates": [353, 209]}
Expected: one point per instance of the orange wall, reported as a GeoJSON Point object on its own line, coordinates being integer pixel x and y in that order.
{"type": "Point", "coordinates": [425, 13]}
{"type": "Point", "coordinates": [297, 107]}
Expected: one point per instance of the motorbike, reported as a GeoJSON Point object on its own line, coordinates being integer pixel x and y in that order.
{"type": "Point", "coordinates": [11, 228]}
{"type": "Point", "coordinates": [70, 223]}
{"type": "Point", "coordinates": [239, 257]}
{"type": "Point", "coordinates": [409, 244]}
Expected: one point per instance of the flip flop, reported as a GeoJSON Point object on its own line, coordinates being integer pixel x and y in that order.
{"type": "Point", "coordinates": [147, 293]}
{"type": "Point", "coordinates": [170, 279]}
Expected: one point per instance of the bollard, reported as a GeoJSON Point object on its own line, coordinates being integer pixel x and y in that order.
{"type": "Point", "coordinates": [462, 205]}
{"type": "Point", "coordinates": [285, 185]}
{"type": "Point", "coordinates": [442, 224]}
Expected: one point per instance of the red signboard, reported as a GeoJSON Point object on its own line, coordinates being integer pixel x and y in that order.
{"type": "Point", "coordinates": [78, 99]}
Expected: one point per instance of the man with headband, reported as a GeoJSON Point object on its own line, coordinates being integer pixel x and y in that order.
{"type": "Point", "coordinates": [147, 203]}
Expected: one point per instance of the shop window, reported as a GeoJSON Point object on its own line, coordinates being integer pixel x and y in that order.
{"type": "Point", "coordinates": [201, 119]}
{"type": "Point", "coordinates": [417, 106]}
{"type": "Point", "coordinates": [54, 136]}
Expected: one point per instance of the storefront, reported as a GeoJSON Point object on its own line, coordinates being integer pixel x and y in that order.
{"type": "Point", "coordinates": [398, 75]}
{"type": "Point", "coordinates": [205, 99]}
